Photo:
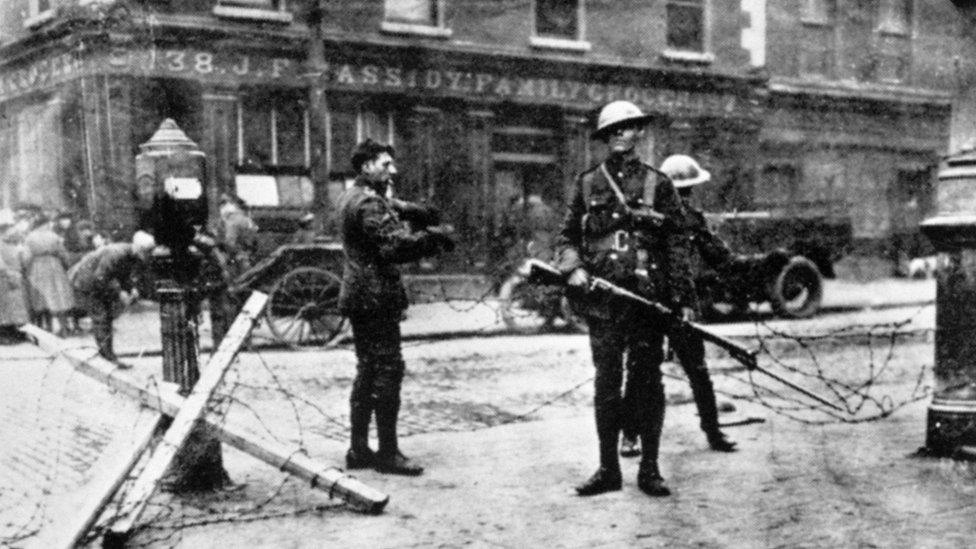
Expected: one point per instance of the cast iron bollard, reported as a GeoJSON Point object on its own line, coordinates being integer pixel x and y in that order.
{"type": "Point", "coordinates": [952, 412]}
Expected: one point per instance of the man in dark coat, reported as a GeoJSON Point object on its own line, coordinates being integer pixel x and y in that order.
{"type": "Point", "coordinates": [705, 248]}
{"type": "Point", "coordinates": [378, 233]}
{"type": "Point", "coordinates": [622, 226]}
{"type": "Point", "coordinates": [105, 277]}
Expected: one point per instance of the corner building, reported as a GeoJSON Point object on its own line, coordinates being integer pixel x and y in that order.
{"type": "Point", "coordinates": [486, 102]}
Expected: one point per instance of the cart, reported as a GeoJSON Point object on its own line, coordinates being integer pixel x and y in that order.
{"type": "Point", "coordinates": [302, 282]}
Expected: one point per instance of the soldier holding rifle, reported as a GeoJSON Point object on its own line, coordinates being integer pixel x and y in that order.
{"type": "Point", "coordinates": [379, 232]}
{"type": "Point", "coordinates": [623, 225]}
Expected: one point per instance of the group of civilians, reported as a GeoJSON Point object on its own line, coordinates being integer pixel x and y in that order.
{"type": "Point", "coordinates": [36, 250]}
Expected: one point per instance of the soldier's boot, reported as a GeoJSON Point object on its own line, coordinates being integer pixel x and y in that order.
{"type": "Point", "coordinates": [389, 459]}
{"type": "Point", "coordinates": [704, 393]}
{"type": "Point", "coordinates": [649, 478]}
{"type": "Point", "coordinates": [603, 480]}
{"type": "Point", "coordinates": [650, 481]}
{"type": "Point", "coordinates": [607, 478]}
{"type": "Point", "coordinates": [359, 456]}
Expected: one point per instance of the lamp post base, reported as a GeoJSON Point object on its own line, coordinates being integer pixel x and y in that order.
{"type": "Point", "coordinates": [950, 424]}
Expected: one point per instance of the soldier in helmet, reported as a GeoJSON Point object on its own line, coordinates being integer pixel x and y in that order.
{"type": "Point", "coordinates": [704, 249]}
{"type": "Point", "coordinates": [622, 225]}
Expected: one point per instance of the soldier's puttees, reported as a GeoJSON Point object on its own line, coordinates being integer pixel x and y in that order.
{"type": "Point", "coordinates": [378, 233]}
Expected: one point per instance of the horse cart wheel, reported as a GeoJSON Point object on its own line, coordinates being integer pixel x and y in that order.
{"type": "Point", "coordinates": [303, 308]}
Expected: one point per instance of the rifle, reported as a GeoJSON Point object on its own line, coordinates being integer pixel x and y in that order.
{"type": "Point", "coordinates": [539, 272]}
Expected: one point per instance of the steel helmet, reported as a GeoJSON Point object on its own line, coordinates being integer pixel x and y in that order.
{"type": "Point", "coordinates": [617, 113]}
{"type": "Point", "coordinates": [684, 171]}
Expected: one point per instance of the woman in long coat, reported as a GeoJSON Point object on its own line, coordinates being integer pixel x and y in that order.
{"type": "Point", "coordinates": [13, 299]}
{"type": "Point", "coordinates": [48, 289]}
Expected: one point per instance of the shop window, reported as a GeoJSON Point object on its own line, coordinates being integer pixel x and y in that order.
{"type": "Point", "coordinates": [421, 17]}
{"type": "Point", "coordinates": [275, 11]}
{"type": "Point", "coordinates": [273, 131]}
{"type": "Point", "coordinates": [375, 125]}
{"type": "Point", "coordinates": [281, 188]}
{"type": "Point", "coordinates": [38, 12]}
{"type": "Point", "coordinates": [559, 24]}
{"type": "Point", "coordinates": [895, 17]}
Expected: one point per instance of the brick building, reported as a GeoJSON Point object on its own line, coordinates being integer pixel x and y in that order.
{"type": "Point", "coordinates": [487, 102]}
{"type": "Point", "coordinates": [858, 113]}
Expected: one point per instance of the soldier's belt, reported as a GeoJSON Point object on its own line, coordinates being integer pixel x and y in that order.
{"type": "Point", "coordinates": [617, 241]}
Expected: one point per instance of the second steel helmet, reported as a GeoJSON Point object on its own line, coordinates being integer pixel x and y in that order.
{"type": "Point", "coordinates": [618, 113]}
{"type": "Point", "coordinates": [684, 171]}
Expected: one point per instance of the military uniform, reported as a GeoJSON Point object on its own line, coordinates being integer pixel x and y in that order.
{"type": "Point", "coordinates": [375, 238]}
{"type": "Point", "coordinates": [97, 280]}
{"type": "Point", "coordinates": [612, 233]}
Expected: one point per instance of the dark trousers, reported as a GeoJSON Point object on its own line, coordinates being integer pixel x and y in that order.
{"type": "Point", "coordinates": [640, 341]}
{"type": "Point", "coordinates": [223, 310]}
{"type": "Point", "coordinates": [379, 375]}
{"type": "Point", "coordinates": [690, 351]}
{"type": "Point", "coordinates": [101, 309]}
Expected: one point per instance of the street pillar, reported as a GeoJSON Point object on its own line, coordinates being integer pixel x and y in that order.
{"type": "Point", "coordinates": [952, 413]}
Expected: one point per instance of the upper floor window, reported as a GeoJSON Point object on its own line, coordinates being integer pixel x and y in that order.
{"type": "Point", "coordinates": [895, 16]}
{"type": "Point", "coordinates": [820, 12]}
{"type": "Point", "coordinates": [423, 17]}
{"type": "Point", "coordinates": [559, 24]}
{"type": "Point", "coordinates": [38, 11]}
{"type": "Point", "coordinates": [261, 10]}
{"type": "Point", "coordinates": [686, 25]}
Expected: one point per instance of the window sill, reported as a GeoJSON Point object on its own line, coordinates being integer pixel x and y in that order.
{"type": "Point", "coordinates": [683, 56]}
{"type": "Point", "coordinates": [815, 23]}
{"type": "Point", "coordinates": [252, 14]}
{"type": "Point", "coordinates": [39, 19]}
{"type": "Point", "coordinates": [548, 43]}
{"type": "Point", "coordinates": [887, 30]}
{"type": "Point", "coordinates": [414, 29]}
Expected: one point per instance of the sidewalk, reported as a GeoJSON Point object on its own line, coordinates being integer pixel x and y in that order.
{"type": "Point", "coordinates": [137, 331]}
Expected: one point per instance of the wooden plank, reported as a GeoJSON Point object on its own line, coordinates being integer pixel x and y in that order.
{"type": "Point", "coordinates": [194, 407]}
{"type": "Point", "coordinates": [164, 398]}
{"type": "Point", "coordinates": [83, 510]}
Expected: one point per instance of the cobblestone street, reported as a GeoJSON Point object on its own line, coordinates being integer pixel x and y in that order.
{"type": "Point", "coordinates": [504, 425]}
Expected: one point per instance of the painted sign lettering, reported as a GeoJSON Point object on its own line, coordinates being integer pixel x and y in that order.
{"type": "Point", "coordinates": [344, 74]}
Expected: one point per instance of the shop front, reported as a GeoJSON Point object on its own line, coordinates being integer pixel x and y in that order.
{"type": "Point", "coordinates": [496, 142]}
{"type": "Point", "coordinates": [493, 141]}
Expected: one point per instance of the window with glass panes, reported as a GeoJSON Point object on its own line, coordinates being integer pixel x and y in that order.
{"type": "Point", "coordinates": [686, 25]}
{"type": "Point", "coordinates": [417, 12]}
{"type": "Point", "coordinates": [273, 128]}
{"type": "Point", "coordinates": [819, 11]}
{"type": "Point", "coordinates": [558, 19]}
{"type": "Point", "coordinates": [896, 16]}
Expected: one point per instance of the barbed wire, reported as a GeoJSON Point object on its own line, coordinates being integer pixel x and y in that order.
{"type": "Point", "coordinates": [282, 405]}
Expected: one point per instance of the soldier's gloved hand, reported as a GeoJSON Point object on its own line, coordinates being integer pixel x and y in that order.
{"type": "Point", "coordinates": [578, 279]}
